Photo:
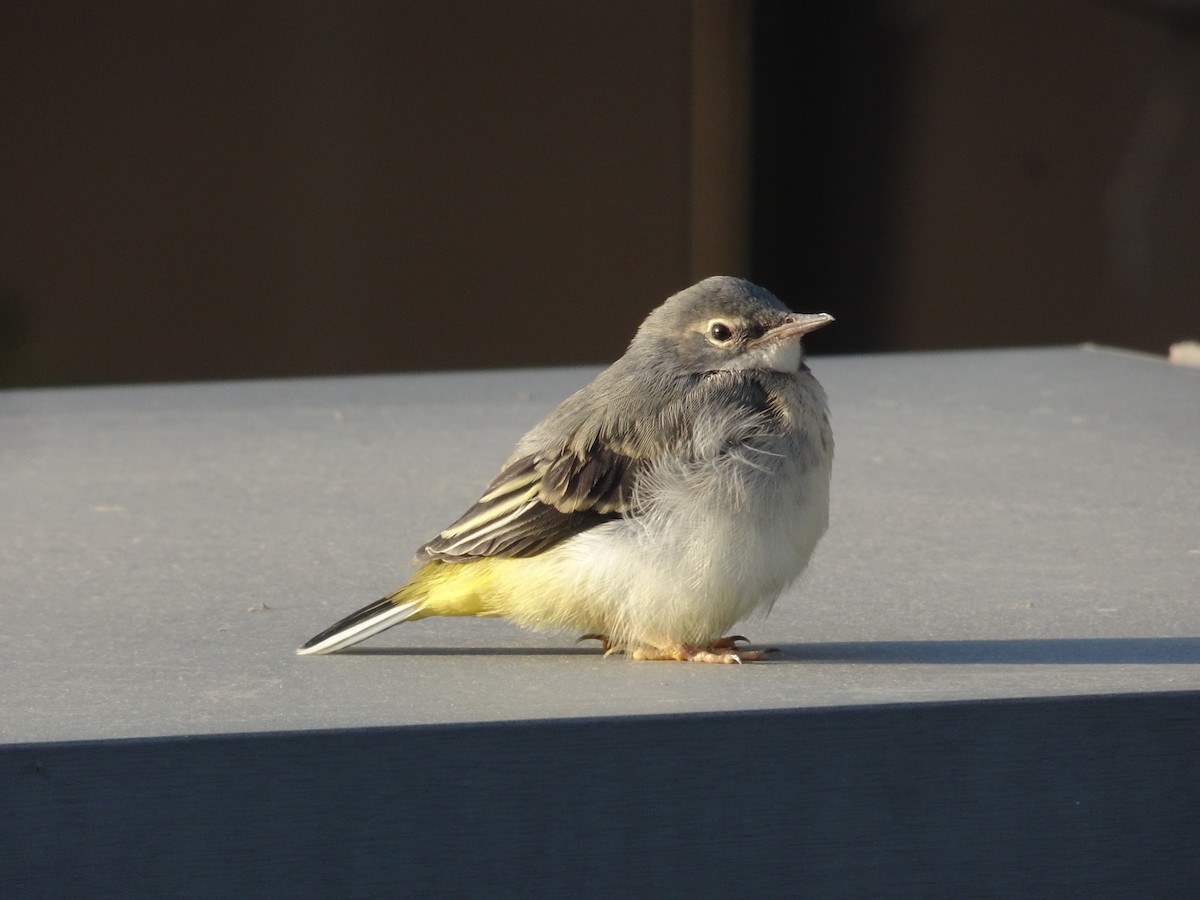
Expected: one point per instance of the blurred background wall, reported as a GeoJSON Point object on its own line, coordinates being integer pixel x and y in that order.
{"type": "Point", "coordinates": [229, 189]}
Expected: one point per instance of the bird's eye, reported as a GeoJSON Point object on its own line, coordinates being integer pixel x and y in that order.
{"type": "Point", "coordinates": [719, 332]}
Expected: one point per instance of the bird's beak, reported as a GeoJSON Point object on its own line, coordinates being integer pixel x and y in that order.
{"type": "Point", "coordinates": [795, 325]}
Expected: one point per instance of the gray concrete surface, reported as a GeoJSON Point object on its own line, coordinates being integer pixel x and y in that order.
{"type": "Point", "coordinates": [1007, 526]}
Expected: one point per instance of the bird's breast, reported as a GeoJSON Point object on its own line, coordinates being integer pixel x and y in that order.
{"type": "Point", "coordinates": [717, 528]}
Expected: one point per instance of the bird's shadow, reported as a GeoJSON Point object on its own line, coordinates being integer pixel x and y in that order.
{"type": "Point", "coordinates": [1020, 651]}
{"type": "Point", "coordinates": [469, 651]}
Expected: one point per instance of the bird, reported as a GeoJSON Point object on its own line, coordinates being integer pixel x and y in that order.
{"type": "Point", "coordinates": [681, 491]}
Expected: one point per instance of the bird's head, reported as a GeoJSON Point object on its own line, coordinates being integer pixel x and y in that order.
{"type": "Point", "coordinates": [726, 324]}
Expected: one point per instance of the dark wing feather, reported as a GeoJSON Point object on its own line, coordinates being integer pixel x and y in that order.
{"type": "Point", "coordinates": [538, 501]}
{"type": "Point", "coordinates": [594, 479]}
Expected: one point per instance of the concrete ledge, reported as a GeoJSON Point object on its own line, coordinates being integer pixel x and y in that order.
{"type": "Point", "coordinates": [990, 683]}
{"type": "Point", "coordinates": [1079, 797]}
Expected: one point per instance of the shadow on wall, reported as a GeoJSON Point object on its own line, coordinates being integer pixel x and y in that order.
{"type": "Point", "coordinates": [14, 334]}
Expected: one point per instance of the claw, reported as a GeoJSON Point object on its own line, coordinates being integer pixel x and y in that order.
{"type": "Point", "coordinates": [609, 647]}
{"type": "Point", "coordinates": [729, 643]}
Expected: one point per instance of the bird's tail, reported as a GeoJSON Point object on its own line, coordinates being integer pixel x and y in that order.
{"type": "Point", "coordinates": [438, 589]}
{"type": "Point", "coordinates": [358, 626]}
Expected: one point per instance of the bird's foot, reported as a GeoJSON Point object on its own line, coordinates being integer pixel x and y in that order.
{"type": "Point", "coordinates": [715, 653]}
{"type": "Point", "coordinates": [726, 649]}
{"type": "Point", "coordinates": [722, 650]}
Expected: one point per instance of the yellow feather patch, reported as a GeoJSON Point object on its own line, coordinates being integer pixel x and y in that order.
{"type": "Point", "coordinates": [537, 592]}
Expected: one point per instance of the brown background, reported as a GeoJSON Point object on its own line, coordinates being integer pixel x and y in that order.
{"type": "Point", "coordinates": [214, 190]}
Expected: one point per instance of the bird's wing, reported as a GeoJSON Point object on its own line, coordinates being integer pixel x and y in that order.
{"type": "Point", "coordinates": [538, 500]}
{"type": "Point", "coordinates": [551, 491]}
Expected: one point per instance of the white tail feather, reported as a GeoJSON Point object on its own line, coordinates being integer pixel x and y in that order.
{"type": "Point", "coordinates": [356, 631]}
